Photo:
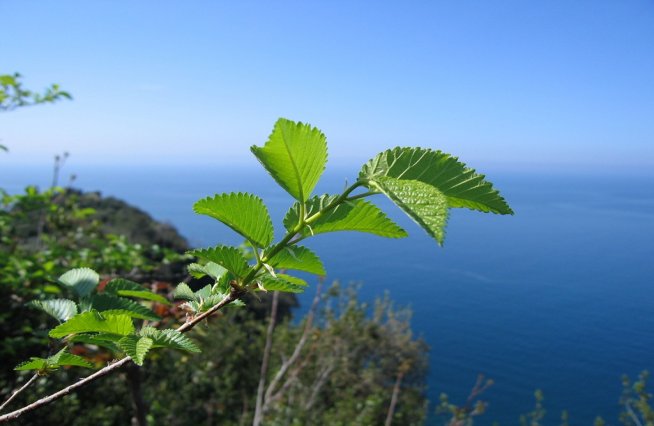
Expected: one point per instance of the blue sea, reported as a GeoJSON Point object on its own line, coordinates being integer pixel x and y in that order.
{"type": "Point", "coordinates": [559, 297]}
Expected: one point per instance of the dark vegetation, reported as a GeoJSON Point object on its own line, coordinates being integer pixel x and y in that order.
{"type": "Point", "coordinates": [347, 366]}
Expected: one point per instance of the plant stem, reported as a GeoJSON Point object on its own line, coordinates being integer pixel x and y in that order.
{"type": "Point", "coordinates": [284, 242]}
{"type": "Point", "coordinates": [258, 412]}
{"type": "Point", "coordinates": [362, 195]}
{"type": "Point", "coordinates": [394, 397]}
{"type": "Point", "coordinates": [17, 392]}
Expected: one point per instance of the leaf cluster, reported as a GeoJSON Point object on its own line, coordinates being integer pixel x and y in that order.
{"type": "Point", "coordinates": [105, 319]}
{"type": "Point", "coordinates": [423, 183]}
{"type": "Point", "coordinates": [13, 95]}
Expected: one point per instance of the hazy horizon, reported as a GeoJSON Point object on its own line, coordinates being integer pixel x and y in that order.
{"type": "Point", "coordinates": [512, 84]}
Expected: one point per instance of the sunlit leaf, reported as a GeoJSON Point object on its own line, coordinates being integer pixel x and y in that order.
{"type": "Point", "coordinates": [244, 213]}
{"type": "Point", "coordinates": [82, 280]}
{"type": "Point", "coordinates": [61, 309]}
{"type": "Point", "coordinates": [211, 269]}
{"type": "Point", "coordinates": [34, 363]}
{"type": "Point", "coordinates": [462, 186]}
{"type": "Point", "coordinates": [228, 257]}
{"type": "Point", "coordinates": [94, 322]}
{"type": "Point", "coordinates": [184, 292]}
{"type": "Point", "coordinates": [283, 282]}
{"type": "Point", "coordinates": [426, 205]}
{"type": "Point", "coordinates": [136, 347]}
{"type": "Point", "coordinates": [298, 258]}
{"type": "Point", "coordinates": [357, 215]}
{"type": "Point", "coordinates": [295, 155]}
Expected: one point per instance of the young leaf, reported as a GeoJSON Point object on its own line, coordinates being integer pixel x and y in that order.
{"type": "Point", "coordinates": [197, 270]}
{"type": "Point", "coordinates": [298, 258]}
{"type": "Point", "coordinates": [229, 258]}
{"type": "Point", "coordinates": [127, 288]}
{"type": "Point", "coordinates": [295, 155]}
{"type": "Point", "coordinates": [184, 292]}
{"type": "Point", "coordinates": [73, 360]}
{"type": "Point", "coordinates": [108, 302]}
{"type": "Point", "coordinates": [170, 338]}
{"type": "Point", "coordinates": [82, 280]}
{"type": "Point", "coordinates": [284, 283]}
{"type": "Point", "coordinates": [244, 213]}
{"type": "Point", "coordinates": [94, 322]}
{"type": "Point", "coordinates": [61, 309]}
{"type": "Point", "coordinates": [136, 347]}
{"type": "Point", "coordinates": [34, 363]}
{"type": "Point", "coordinates": [203, 293]}
{"type": "Point", "coordinates": [60, 359]}
{"type": "Point", "coordinates": [107, 341]}
{"type": "Point", "coordinates": [426, 205]}
{"type": "Point", "coordinates": [462, 186]}
{"type": "Point", "coordinates": [214, 270]}
{"type": "Point", "coordinates": [357, 215]}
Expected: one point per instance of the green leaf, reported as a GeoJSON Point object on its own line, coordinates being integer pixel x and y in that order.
{"type": "Point", "coordinates": [73, 360]}
{"type": "Point", "coordinates": [244, 213]}
{"type": "Point", "coordinates": [60, 359]}
{"type": "Point", "coordinates": [295, 155]}
{"type": "Point", "coordinates": [123, 287]}
{"type": "Point", "coordinates": [426, 205]}
{"type": "Point", "coordinates": [136, 347]}
{"type": "Point", "coordinates": [184, 292]}
{"type": "Point", "coordinates": [298, 258]}
{"type": "Point", "coordinates": [462, 186]}
{"type": "Point", "coordinates": [34, 363]}
{"type": "Point", "coordinates": [214, 270]}
{"type": "Point", "coordinates": [61, 309]}
{"type": "Point", "coordinates": [107, 302]}
{"type": "Point", "coordinates": [196, 270]}
{"type": "Point", "coordinates": [94, 322]}
{"type": "Point", "coordinates": [82, 280]}
{"type": "Point", "coordinates": [104, 340]}
{"type": "Point", "coordinates": [169, 338]}
{"type": "Point", "coordinates": [357, 215]}
{"type": "Point", "coordinates": [203, 293]}
{"type": "Point", "coordinates": [283, 282]}
{"type": "Point", "coordinates": [228, 257]}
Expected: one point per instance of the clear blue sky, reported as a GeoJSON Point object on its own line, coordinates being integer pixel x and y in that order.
{"type": "Point", "coordinates": [509, 84]}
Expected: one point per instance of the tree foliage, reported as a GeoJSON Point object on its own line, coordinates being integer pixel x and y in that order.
{"type": "Point", "coordinates": [13, 95]}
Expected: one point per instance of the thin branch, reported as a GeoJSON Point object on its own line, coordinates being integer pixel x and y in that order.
{"type": "Point", "coordinates": [17, 392]}
{"type": "Point", "coordinates": [480, 387]}
{"type": "Point", "coordinates": [298, 348]}
{"type": "Point", "coordinates": [235, 294]}
{"type": "Point", "coordinates": [394, 398]}
{"type": "Point", "coordinates": [362, 195]}
{"type": "Point", "coordinates": [258, 411]}
{"type": "Point", "coordinates": [318, 384]}
{"type": "Point", "coordinates": [633, 415]}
